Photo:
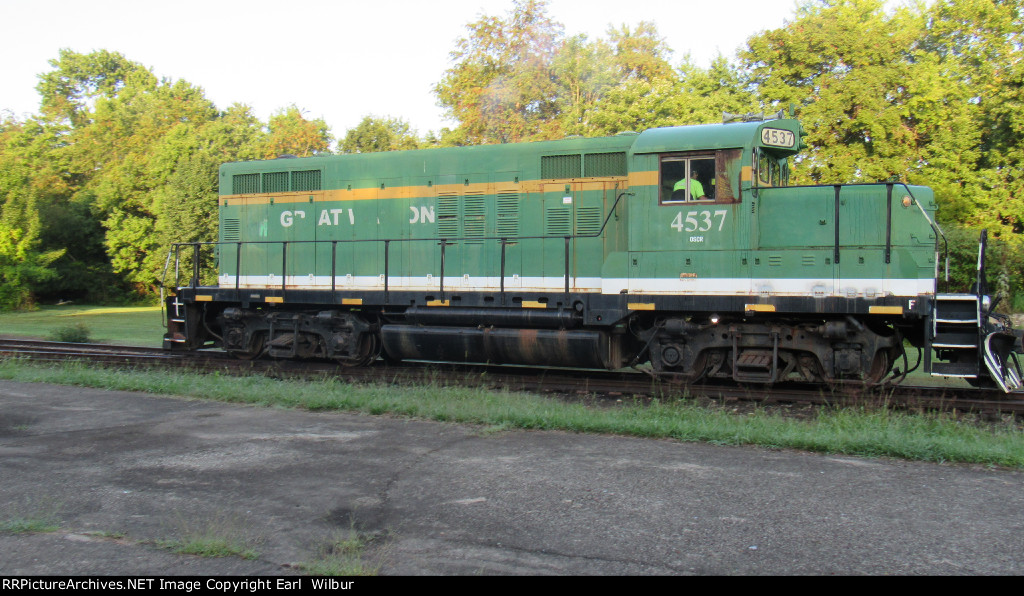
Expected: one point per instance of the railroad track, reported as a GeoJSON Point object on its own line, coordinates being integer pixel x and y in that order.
{"type": "Point", "coordinates": [570, 384]}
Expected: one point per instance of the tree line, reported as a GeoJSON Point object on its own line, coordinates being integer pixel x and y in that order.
{"type": "Point", "coordinates": [117, 164]}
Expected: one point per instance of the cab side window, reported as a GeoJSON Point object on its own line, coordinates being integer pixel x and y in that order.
{"type": "Point", "coordinates": [698, 177]}
{"type": "Point", "coordinates": [685, 179]}
{"type": "Point", "coordinates": [770, 170]}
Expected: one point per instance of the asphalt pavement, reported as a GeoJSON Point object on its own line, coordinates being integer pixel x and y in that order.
{"type": "Point", "coordinates": [120, 477]}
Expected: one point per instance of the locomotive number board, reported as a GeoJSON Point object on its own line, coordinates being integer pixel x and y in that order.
{"type": "Point", "coordinates": [776, 137]}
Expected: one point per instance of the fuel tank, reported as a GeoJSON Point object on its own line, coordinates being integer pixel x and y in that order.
{"type": "Point", "coordinates": [548, 347]}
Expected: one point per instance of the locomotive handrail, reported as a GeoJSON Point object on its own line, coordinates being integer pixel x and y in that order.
{"type": "Point", "coordinates": [443, 242]}
{"type": "Point", "coordinates": [889, 186]}
{"type": "Point", "coordinates": [935, 226]}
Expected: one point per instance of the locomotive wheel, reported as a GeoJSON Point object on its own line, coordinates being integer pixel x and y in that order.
{"type": "Point", "coordinates": [698, 368]}
{"type": "Point", "coordinates": [880, 367]}
{"type": "Point", "coordinates": [369, 349]}
{"type": "Point", "coordinates": [254, 350]}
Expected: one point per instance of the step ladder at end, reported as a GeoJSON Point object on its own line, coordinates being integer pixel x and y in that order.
{"type": "Point", "coordinates": [956, 298]}
{"type": "Point", "coordinates": [965, 370]}
{"type": "Point", "coordinates": [956, 340]}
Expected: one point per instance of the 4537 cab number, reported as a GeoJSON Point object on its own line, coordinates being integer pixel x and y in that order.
{"type": "Point", "coordinates": [700, 221]}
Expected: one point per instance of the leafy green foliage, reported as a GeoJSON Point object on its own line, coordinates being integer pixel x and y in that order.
{"type": "Point", "coordinates": [79, 79]}
{"type": "Point", "coordinates": [379, 134]}
{"type": "Point", "coordinates": [1004, 262]}
{"type": "Point", "coordinates": [24, 262]}
{"type": "Point", "coordinates": [926, 94]}
{"type": "Point", "coordinates": [847, 64]}
{"type": "Point", "coordinates": [118, 166]}
{"type": "Point", "coordinates": [77, 333]}
{"type": "Point", "coordinates": [519, 78]}
{"type": "Point", "coordinates": [292, 134]}
{"type": "Point", "coordinates": [501, 87]}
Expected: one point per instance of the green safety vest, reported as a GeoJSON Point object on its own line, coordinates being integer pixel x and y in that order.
{"type": "Point", "coordinates": [696, 188]}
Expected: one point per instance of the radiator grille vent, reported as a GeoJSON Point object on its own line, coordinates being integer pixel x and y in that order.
{"type": "Point", "coordinates": [275, 182]}
{"type": "Point", "coordinates": [604, 164]}
{"type": "Point", "coordinates": [588, 220]}
{"type": "Point", "coordinates": [508, 215]}
{"type": "Point", "coordinates": [306, 180]}
{"type": "Point", "coordinates": [245, 184]}
{"type": "Point", "coordinates": [230, 230]}
{"type": "Point", "coordinates": [559, 221]}
{"type": "Point", "coordinates": [448, 216]}
{"type": "Point", "coordinates": [560, 166]}
{"type": "Point", "coordinates": [474, 224]}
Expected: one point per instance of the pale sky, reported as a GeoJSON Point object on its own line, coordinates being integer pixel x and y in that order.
{"type": "Point", "coordinates": [338, 60]}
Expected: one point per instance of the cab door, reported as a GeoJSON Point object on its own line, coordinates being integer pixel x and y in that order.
{"type": "Point", "coordinates": [692, 229]}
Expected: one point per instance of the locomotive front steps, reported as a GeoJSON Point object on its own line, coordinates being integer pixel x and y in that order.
{"type": "Point", "coordinates": [956, 336]}
{"type": "Point", "coordinates": [956, 340]}
{"type": "Point", "coordinates": [966, 347]}
{"type": "Point", "coordinates": [965, 370]}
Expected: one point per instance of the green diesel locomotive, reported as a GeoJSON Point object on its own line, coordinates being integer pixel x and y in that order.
{"type": "Point", "coordinates": [684, 247]}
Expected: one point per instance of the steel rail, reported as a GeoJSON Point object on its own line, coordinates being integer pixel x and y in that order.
{"type": "Point", "coordinates": [564, 383]}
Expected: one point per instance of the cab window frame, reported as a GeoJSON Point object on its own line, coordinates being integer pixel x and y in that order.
{"type": "Point", "coordinates": [770, 171]}
{"type": "Point", "coordinates": [715, 179]}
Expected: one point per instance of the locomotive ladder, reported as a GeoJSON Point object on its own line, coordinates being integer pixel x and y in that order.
{"type": "Point", "coordinates": [962, 334]}
{"type": "Point", "coordinates": [956, 333]}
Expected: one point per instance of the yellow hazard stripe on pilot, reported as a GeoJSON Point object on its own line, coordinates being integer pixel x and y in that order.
{"type": "Point", "coordinates": [640, 306]}
{"type": "Point", "coordinates": [886, 310]}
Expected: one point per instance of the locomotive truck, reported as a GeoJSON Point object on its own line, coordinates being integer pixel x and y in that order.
{"type": "Point", "coordinates": [682, 247]}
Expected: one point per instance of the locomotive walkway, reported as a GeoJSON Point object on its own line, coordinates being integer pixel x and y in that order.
{"type": "Point", "coordinates": [118, 473]}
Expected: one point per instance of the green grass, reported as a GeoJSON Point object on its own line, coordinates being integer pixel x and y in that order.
{"type": "Point", "coordinates": [219, 535]}
{"type": "Point", "coordinates": [869, 432]}
{"type": "Point", "coordinates": [30, 517]}
{"type": "Point", "coordinates": [342, 556]}
{"type": "Point", "coordinates": [209, 546]}
{"type": "Point", "coordinates": [27, 525]}
{"type": "Point", "coordinates": [133, 326]}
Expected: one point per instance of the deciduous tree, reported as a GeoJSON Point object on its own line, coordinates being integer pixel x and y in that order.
{"type": "Point", "coordinates": [23, 263]}
{"type": "Point", "coordinates": [374, 134]}
{"type": "Point", "coordinates": [848, 65]}
{"type": "Point", "coordinates": [291, 133]}
{"type": "Point", "coordinates": [501, 87]}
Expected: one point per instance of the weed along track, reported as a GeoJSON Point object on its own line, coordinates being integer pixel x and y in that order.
{"type": "Point", "coordinates": [932, 425]}
{"type": "Point", "coordinates": [598, 388]}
